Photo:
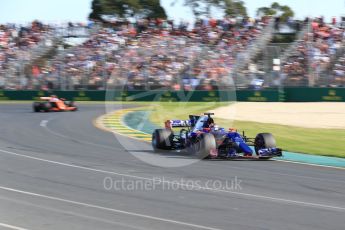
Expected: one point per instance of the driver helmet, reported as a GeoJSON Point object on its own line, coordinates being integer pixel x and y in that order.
{"type": "Point", "coordinates": [210, 122]}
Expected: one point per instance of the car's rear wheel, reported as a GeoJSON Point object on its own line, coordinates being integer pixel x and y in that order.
{"type": "Point", "coordinates": [46, 106]}
{"type": "Point", "coordinates": [203, 146]}
{"type": "Point", "coordinates": [36, 106]}
{"type": "Point", "coordinates": [264, 141]}
{"type": "Point", "coordinates": [162, 139]}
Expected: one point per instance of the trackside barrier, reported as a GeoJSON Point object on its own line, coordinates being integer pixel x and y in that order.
{"type": "Point", "coordinates": [267, 95]}
{"type": "Point", "coordinates": [314, 94]}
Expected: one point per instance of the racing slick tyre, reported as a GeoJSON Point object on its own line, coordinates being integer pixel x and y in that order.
{"type": "Point", "coordinates": [46, 106]}
{"type": "Point", "coordinates": [264, 141]}
{"type": "Point", "coordinates": [162, 139]}
{"type": "Point", "coordinates": [70, 103]}
{"type": "Point", "coordinates": [203, 147]}
{"type": "Point", "coordinates": [37, 106]}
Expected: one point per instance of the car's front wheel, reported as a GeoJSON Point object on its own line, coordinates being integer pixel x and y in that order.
{"type": "Point", "coordinates": [70, 103]}
{"type": "Point", "coordinates": [264, 141]}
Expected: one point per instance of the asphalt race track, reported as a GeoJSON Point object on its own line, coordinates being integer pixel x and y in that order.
{"type": "Point", "coordinates": [53, 167]}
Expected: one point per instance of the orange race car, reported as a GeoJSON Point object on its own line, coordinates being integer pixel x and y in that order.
{"type": "Point", "coordinates": [53, 104]}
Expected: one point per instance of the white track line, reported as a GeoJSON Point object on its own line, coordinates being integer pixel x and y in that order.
{"type": "Point", "coordinates": [182, 185]}
{"type": "Point", "coordinates": [65, 212]}
{"type": "Point", "coordinates": [309, 164]}
{"type": "Point", "coordinates": [44, 124]}
{"type": "Point", "coordinates": [11, 227]}
{"type": "Point", "coordinates": [109, 209]}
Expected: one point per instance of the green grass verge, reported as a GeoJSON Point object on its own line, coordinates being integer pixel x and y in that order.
{"type": "Point", "coordinates": [327, 142]}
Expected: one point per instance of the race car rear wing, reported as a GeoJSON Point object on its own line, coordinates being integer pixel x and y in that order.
{"type": "Point", "coordinates": [45, 98]}
{"type": "Point", "coordinates": [184, 123]}
{"type": "Point", "coordinates": [177, 123]}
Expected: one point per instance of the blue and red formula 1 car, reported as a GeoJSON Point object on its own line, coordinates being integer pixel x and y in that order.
{"type": "Point", "coordinates": [202, 137]}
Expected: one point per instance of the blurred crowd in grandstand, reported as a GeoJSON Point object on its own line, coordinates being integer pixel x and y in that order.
{"type": "Point", "coordinates": [17, 43]}
{"type": "Point", "coordinates": [316, 53]}
{"type": "Point", "coordinates": [154, 53]}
